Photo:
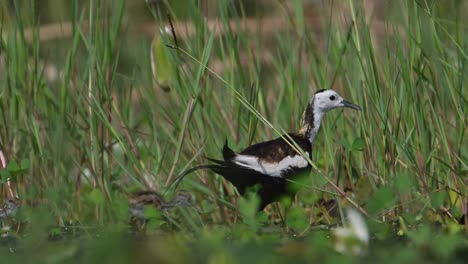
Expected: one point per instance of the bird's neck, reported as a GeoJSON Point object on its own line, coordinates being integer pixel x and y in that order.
{"type": "Point", "coordinates": [311, 123]}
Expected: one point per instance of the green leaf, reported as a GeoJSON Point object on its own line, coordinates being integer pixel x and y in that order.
{"type": "Point", "coordinates": [317, 180]}
{"type": "Point", "coordinates": [262, 218]}
{"type": "Point", "coordinates": [363, 189]}
{"type": "Point", "coordinates": [346, 144]}
{"type": "Point", "coordinates": [152, 213]}
{"type": "Point", "coordinates": [24, 164]}
{"type": "Point", "coordinates": [299, 182]}
{"type": "Point", "coordinates": [381, 200]}
{"type": "Point", "coordinates": [155, 223]}
{"type": "Point", "coordinates": [403, 183]}
{"type": "Point", "coordinates": [13, 167]}
{"type": "Point", "coordinates": [5, 175]}
{"type": "Point", "coordinates": [297, 218]}
{"type": "Point", "coordinates": [381, 231]}
{"type": "Point", "coordinates": [207, 206]}
{"type": "Point", "coordinates": [161, 63]}
{"type": "Point", "coordinates": [248, 207]}
{"type": "Point", "coordinates": [438, 198]}
{"type": "Point", "coordinates": [96, 196]}
{"type": "Point", "coordinates": [358, 144]}
{"type": "Point", "coordinates": [310, 197]}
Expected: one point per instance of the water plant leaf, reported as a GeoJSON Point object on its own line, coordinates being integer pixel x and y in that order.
{"type": "Point", "coordinates": [358, 144]}
{"type": "Point", "coordinates": [297, 218]}
{"type": "Point", "coordinates": [13, 167]}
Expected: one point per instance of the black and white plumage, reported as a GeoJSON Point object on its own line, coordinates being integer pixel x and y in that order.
{"type": "Point", "coordinates": [270, 164]}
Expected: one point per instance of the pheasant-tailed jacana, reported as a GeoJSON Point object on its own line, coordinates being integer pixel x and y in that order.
{"type": "Point", "coordinates": [269, 164]}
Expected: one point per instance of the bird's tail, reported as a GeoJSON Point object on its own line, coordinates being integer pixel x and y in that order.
{"type": "Point", "coordinates": [239, 176]}
{"type": "Point", "coordinates": [228, 153]}
{"type": "Point", "coordinates": [219, 166]}
{"type": "Point", "coordinates": [178, 179]}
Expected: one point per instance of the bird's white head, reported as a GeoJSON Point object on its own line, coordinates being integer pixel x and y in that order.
{"type": "Point", "coordinates": [322, 102]}
{"type": "Point", "coordinates": [326, 100]}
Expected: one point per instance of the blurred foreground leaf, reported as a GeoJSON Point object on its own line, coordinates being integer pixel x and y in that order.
{"type": "Point", "coordinates": [96, 196]}
{"type": "Point", "coordinates": [297, 218]}
{"type": "Point", "coordinates": [382, 200]}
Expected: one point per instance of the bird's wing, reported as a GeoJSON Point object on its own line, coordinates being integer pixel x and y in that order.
{"type": "Point", "coordinates": [275, 158]}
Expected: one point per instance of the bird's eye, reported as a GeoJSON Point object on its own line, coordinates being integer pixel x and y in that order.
{"type": "Point", "coordinates": [332, 98]}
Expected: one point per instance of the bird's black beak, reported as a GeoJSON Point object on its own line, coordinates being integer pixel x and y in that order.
{"type": "Point", "coordinates": [350, 105]}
